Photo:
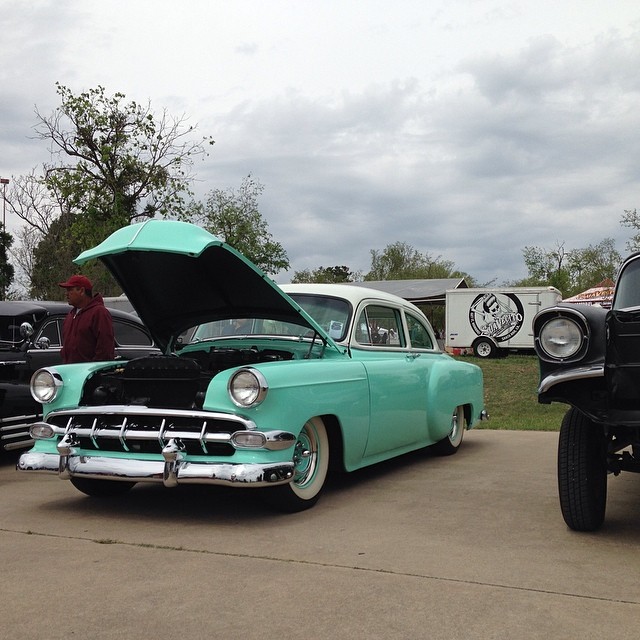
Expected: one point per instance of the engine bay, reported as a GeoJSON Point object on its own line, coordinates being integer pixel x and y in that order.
{"type": "Point", "coordinates": [171, 382]}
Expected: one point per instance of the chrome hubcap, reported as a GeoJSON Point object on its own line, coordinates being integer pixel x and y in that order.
{"type": "Point", "coordinates": [305, 456]}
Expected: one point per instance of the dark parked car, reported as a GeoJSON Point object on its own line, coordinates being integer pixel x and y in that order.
{"type": "Point", "coordinates": [31, 338]}
{"type": "Point", "coordinates": [590, 360]}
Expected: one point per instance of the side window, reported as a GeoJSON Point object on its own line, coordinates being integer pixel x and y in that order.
{"type": "Point", "coordinates": [418, 333]}
{"type": "Point", "coordinates": [129, 335]}
{"type": "Point", "coordinates": [53, 331]}
{"type": "Point", "coordinates": [379, 326]}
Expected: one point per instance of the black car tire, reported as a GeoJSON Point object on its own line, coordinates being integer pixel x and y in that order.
{"type": "Point", "coordinates": [101, 488]}
{"type": "Point", "coordinates": [484, 348]}
{"type": "Point", "coordinates": [450, 445]}
{"type": "Point", "coordinates": [311, 458]}
{"type": "Point", "coordinates": [582, 471]}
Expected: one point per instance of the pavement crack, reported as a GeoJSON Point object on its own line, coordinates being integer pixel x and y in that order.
{"type": "Point", "coordinates": [329, 565]}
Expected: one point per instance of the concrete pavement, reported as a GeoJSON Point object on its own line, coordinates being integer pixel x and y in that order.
{"type": "Point", "coordinates": [471, 546]}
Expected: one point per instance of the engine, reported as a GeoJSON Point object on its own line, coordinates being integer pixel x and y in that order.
{"type": "Point", "coordinates": [170, 382]}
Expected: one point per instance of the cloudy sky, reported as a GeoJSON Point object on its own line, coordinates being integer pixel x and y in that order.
{"type": "Point", "coordinates": [466, 128]}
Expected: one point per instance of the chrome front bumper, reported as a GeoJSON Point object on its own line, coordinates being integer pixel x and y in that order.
{"type": "Point", "coordinates": [171, 472]}
{"type": "Point", "coordinates": [569, 375]}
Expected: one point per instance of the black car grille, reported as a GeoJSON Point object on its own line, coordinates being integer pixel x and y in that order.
{"type": "Point", "coordinates": [149, 433]}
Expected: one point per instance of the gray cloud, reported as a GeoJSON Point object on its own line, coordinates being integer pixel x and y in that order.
{"type": "Point", "coordinates": [520, 156]}
{"type": "Point", "coordinates": [470, 159]}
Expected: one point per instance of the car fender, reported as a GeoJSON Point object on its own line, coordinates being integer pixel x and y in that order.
{"type": "Point", "coordinates": [299, 391]}
{"type": "Point", "coordinates": [452, 384]}
{"type": "Point", "coordinates": [73, 378]}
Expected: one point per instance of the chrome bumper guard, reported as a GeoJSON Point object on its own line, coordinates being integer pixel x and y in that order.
{"type": "Point", "coordinates": [174, 470]}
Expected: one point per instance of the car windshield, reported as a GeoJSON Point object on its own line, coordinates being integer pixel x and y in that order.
{"type": "Point", "coordinates": [246, 326]}
{"type": "Point", "coordinates": [628, 287]}
{"type": "Point", "coordinates": [332, 314]}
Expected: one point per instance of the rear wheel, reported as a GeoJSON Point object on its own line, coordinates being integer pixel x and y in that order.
{"type": "Point", "coordinates": [449, 445]}
{"type": "Point", "coordinates": [101, 488]}
{"type": "Point", "coordinates": [582, 472]}
{"type": "Point", "coordinates": [311, 459]}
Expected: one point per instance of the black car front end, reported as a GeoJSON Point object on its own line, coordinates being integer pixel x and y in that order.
{"type": "Point", "coordinates": [590, 359]}
{"type": "Point", "coordinates": [570, 341]}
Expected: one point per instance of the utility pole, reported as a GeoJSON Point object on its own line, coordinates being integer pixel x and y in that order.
{"type": "Point", "coordinates": [4, 182]}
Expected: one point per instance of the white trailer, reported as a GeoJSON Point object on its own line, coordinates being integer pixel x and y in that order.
{"type": "Point", "coordinates": [484, 322]}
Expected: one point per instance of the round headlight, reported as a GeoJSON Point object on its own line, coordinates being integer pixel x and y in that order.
{"type": "Point", "coordinates": [247, 387]}
{"type": "Point", "coordinates": [45, 385]}
{"type": "Point", "coordinates": [561, 338]}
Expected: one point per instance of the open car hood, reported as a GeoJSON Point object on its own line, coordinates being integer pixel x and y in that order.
{"type": "Point", "coordinates": [177, 275]}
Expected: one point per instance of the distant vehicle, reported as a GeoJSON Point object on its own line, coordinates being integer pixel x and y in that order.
{"type": "Point", "coordinates": [119, 302]}
{"type": "Point", "coordinates": [30, 338]}
{"type": "Point", "coordinates": [274, 388]}
{"type": "Point", "coordinates": [490, 322]}
{"type": "Point", "coordinates": [590, 359]}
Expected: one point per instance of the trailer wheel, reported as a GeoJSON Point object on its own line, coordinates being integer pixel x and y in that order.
{"type": "Point", "coordinates": [484, 348]}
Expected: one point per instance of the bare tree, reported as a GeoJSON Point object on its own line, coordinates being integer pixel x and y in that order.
{"type": "Point", "coordinates": [112, 162]}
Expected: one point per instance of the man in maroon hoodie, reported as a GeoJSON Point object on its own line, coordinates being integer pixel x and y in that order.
{"type": "Point", "coordinates": [87, 332]}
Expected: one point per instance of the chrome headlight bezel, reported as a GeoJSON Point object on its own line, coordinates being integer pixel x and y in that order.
{"type": "Point", "coordinates": [247, 387]}
{"type": "Point", "coordinates": [562, 337]}
{"type": "Point", "coordinates": [45, 385]}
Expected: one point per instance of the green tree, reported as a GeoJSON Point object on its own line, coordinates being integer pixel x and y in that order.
{"type": "Point", "coordinates": [113, 163]}
{"type": "Point", "coordinates": [233, 216]}
{"type": "Point", "coordinates": [631, 219]}
{"type": "Point", "coordinates": [329, 275]}
{"type": "Point", "coordinates": [547, 267]}
{"type": "Point", "coordinates": [401, 261]}
{"type": "Point", "coordinates": [570, 271]}
{"type": "Point", "coordinates": [593, 264]}
{"type": "Point", "coordinates": [6, 269]}
{"type": "Point", "coordinates": [52, 263]}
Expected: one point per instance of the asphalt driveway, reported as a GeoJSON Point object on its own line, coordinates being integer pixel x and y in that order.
{"type": "Point", "coordinates": [471, 546]}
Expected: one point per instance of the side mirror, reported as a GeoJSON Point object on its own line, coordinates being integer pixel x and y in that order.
{"type": "Point", "coordinates": [26, 330]}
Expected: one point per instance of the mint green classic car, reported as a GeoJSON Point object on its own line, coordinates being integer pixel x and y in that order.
{"type": "Point", "coordinates": [257, 385]}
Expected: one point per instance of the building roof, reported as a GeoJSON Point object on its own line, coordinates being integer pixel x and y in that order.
{"type": "Point", "coordinates": [416, 291]}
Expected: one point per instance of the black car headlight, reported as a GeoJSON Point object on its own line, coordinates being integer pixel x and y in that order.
{"type": "Point", "coordinates": [247, 387]}
{"type": "Point", "coordinates": [45, 384]}
{"type": "Point", "coordinates": [561, 337]}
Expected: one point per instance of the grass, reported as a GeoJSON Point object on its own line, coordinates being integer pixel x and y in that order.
{"type": "Point", "coordinates": [510, 394]}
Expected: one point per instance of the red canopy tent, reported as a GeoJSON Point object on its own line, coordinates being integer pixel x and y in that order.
{"type": "Point", "coordinates": [601, 294]}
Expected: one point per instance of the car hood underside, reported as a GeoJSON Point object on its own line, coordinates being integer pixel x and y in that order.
{"type": "Point", "coordinates": [177, 275]}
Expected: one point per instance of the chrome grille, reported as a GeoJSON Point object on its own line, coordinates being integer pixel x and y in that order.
{"type": "Point", "coordinates": [139, 430]}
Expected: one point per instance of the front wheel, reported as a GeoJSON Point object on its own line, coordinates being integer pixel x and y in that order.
{"type": "Point", "coordinates": [582, 472]}
{"type": "Point", "coordinates": [101, 488]}
{"type": "Point", "coordinates": [449, 445]}
{"type": "Point", "coordinates": [311, 459]}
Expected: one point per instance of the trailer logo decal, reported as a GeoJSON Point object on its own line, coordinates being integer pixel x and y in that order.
{"type": "Point", "coordinates": [499, 315]}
